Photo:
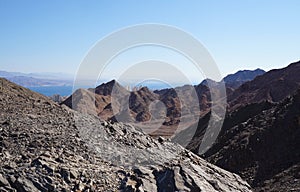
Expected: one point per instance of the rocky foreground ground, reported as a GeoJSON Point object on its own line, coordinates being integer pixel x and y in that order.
{"type": "Point", "coordinates": [47, 147]}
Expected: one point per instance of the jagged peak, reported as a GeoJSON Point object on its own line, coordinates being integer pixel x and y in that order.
{"type": "Point", "coordinates": [108, 84]}
{"type": "Point", "coordinates": [107, 88]}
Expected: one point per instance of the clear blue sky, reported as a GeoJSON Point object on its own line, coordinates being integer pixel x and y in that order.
{"type": "Point", "coordinates": [54, 36]}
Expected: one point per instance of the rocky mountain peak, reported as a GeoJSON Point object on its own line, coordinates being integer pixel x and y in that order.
{"type": "Point", "coordinates": [107, 88]}
{"type": "Point", "coordinates": [237, 79]}
{"type": "Point", "coordinates": [274, 86]}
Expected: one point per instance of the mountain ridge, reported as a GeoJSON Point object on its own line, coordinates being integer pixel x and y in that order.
{"type": "Point", "coordinates": [133, 106]}
{"type": "Point", "coordinates": [38, 79]}
{"type": "Point", "coordinates": [273, 86]}
{"type": "Point", "coordinates": [240, 77]}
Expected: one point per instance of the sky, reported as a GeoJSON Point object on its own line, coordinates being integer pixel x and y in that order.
{"type": "Point", "coordinates": [55, 36]}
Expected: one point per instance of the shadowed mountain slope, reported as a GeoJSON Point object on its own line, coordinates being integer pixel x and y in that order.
{"type": "Point", "coordinates": [261, 132]}
{"type": "Point", "coordinates": [264, 147]}
{"type": "Point", "coordinates": [259, 141]}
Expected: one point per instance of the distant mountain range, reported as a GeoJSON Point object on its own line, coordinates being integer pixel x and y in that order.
{"type": "Point", "coordinates": [237, 79]}
{"type": "Point", "coordinates": [62, 79]}
{"type": "Point", "coordinates": [46, 75]}
{"type": "Point", "coordinates": [179, 101]}
{"type": "Point", "coordinates": [38, 79]}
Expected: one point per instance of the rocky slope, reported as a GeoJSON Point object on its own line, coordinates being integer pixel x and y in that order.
{"type": "Point", "coordinates": [264, 147]}
{"type": "Point", "coordinates": [47, 147]}
{"type": "Point", "coordinates": [180, 101]}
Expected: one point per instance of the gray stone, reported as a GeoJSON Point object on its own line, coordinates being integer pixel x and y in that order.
{"type": "Point", "coordinates": [25, 185]}
{"type": "Point", "coordinates": [3, 181]}
{"type": "Point", "coordinates": [73, 173]}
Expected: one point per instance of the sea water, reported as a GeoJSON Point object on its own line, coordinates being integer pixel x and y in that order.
{"type": "Point", "coordinates": [52, 90]}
